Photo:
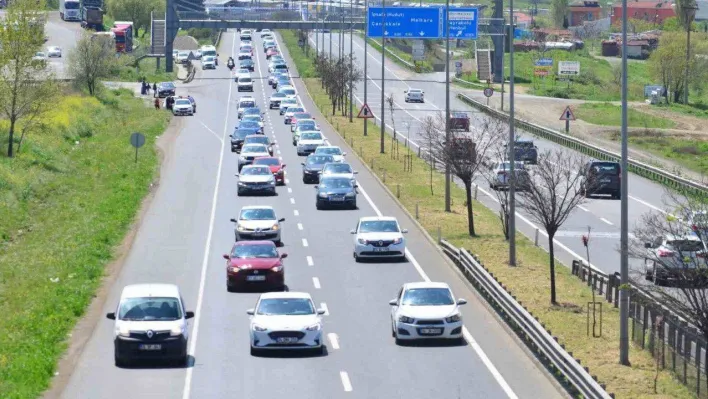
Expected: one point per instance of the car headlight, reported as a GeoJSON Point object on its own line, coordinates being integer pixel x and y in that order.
{"type": "Point", "coordinates": [277, 269]}
{"type": "Point", "coordinates": [242, 158]}
{"type": "Point", "coordinates": [240, 228]}
{"type": "Point", "coordinates": [272, 182]}
{"type": "Point", "coordinates": [234, 269]}
{"type": "Point", "coordinates": [350, 194]}
{"type": "Point", "coordinates": [362, 241]}
{"type": "Point", "coordinates": [256, 327]}
{"type": "Point", "coordinates": [314, 327]}
{"type": "Point", "coordinates": [406, 319]}
{"type": "Point", "coordinates": [275, 227]}
{"type": "Point", "coordinates": [123, 331]}
{"type": "Point", "coordinates": [323, 195]}
{"type": "Point", "coordinates": [398, 240]}
{"type": "Point", "coordinates": [454, 318]}
{"type": "Point", "coordinates": [176, 331]}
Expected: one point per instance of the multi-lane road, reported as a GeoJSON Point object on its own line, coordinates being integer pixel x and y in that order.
{"type": "Point", "coordinates": [63, 34]}
{"type": "Point", "coordinates": [600, 214]}
{"type": "Point", "coordinates": [187, 229]}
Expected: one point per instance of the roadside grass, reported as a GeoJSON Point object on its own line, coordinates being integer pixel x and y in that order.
{"type": "Point", "coordinates": [425, 65]}
{"type": "Point", "coordinates": [607, 114]}
{"type": "Point", "coordinates": [529, 282]}
{"type": "Point", "coordinates": [146, 68]}
{"type": "Point", "coordinates": [689, 153]}
{"type": "Point", "coordinates": [66, 202]}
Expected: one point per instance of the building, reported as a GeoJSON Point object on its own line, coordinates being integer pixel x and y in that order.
{"type": "Point", "coordinates": [582, 11]}
{"type": "Point", "coordinates": [652, 11]}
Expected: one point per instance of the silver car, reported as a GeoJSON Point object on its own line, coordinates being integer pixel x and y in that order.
{"type": "Point", "coordinates": [415, 95]}
{"type": "Point", "coordinates": [249, 152]}
{"type": "Point", "coordinates": [500, 173]}
{"type": "Point", "coordinates": [256, 179]}
{"type": "Point", "coordinates": [258, 222]}
{"type": "Point", "coordinates": [287, 103]}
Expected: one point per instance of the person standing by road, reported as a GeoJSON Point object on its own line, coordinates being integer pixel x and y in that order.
{"type": "Point", "coordinates": [154, 89]}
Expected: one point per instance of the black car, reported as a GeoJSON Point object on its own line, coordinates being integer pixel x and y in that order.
{"type": "Point", "coordinates": [525, 151]}
{"type": "Point", "coordinates": [601, 177]}
{"type": "Point", "coordinates": [166, 89]}
{"type": "Point", "coordinates": [238, 137]}
{"type": "Point", "coordinates": [247, 64]}
{"type": "Point", "coordinates": [335, 191]}
{"type": "Point", "coordinates": [312, 167]}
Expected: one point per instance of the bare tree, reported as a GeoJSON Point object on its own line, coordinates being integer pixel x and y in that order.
{"type": "Point", "coordinates": [91, 60]}
{"type": "Point", "coordinates": [335, 76]}
{"type": "Point", "coordinates": [499, 153]}
{"type": "Point", "coordinates": [27, 85]}
{"type": "Point", "coordinates": [553, 194]}
{"type": "Point", "coordinates": [465, 153]}
{"type": "Point", "coordinates": [430, 132]}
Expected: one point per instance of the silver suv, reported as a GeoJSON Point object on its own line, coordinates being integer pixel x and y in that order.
{"type": "Point", "coordinates": [678, 257]}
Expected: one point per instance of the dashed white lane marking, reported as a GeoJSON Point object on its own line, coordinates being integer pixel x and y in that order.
{"type": "Point", "coordinates": [304, 242]}
{"type": "Point", "coordinates": [296, 213]}
{"type": "Point", "coordinates": [287, 181]}
{"type": "Point", "coordinates": [290, 190]}
{"type": "Point", "coordinates": [333, 340]}
{"type": "Point", "coordinates": [583, 208]}
{"type": "Point", "coordinates": [606, 221]}
{"type": "Point", "coordinates": [346, 383]}
{"type": "Point", "coordinates": [292, 201]}
{"type": "Point", "coordinates": [310, 262]}
{"type": "Point", "coordinates": [278, 151]}
{"type": "Point", "coordinates": [325, 308]}
{"type": "Point", "coordinates": [316, 282]}
{"type": "Point", "coordinates": [299, 226]}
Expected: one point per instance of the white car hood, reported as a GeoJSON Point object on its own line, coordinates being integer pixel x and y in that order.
{"type": "Point", "coordinates": [256, 178]}
{"type": "Point", "coordinates": [427, 312]}
{"type": "Point", "coordinates": [255, 154]}
{"type": "Point", "coordinates": [379, 236]}
{"type": "Point", "coordinates": [258, 224]}
{"type": "Point", "coordinates": [139, 326]}
{"type": "Point", "coordinates": [285, 323]}
{"type": "Point", "coordinates": [311, 142]}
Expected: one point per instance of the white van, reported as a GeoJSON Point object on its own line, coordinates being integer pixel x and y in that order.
{"type": "Point", "coordinates": [210, 51]}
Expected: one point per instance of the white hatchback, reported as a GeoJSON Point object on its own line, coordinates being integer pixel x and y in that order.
{"type": "Point", "coordinates": [379, 237]}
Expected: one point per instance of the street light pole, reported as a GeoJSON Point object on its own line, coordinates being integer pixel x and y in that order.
{"type": "Point", "coordinates": [366, 62]}
{"type": "Point", "coordinates": [624, 221]}
{"type": "Point", "coordinates": [383, 82]}
{"type": "Point", "coordinates": [317, 32]}
{"type": "Point", "coordinates": [448, 173]}
{"type": "Point", "coordinates": [340, 41]}
{"type": "Point", "coordinates": [351, 61]}
{"type": "Point", "coordinates": [689, 13]}
{"type": "Point", "coordinates": [512, 138]}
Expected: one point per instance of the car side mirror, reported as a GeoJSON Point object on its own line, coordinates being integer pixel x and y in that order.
{"type": "Point", "coordinates": [344, 154]}
{"type": "Point", "coordinates": [355, 173]}
{"type": "Point", "coordinates": [283, 256]}
{"type": "Point", "coordinates": [251, 312]}
{"type": "Point", "coordinates": [302, 163]}
{"type": "Point", "coordinates": [393, 302]}
{"type": "Point", "coordinates": [352, 231]}
{"type": "Point", "coordinates": [111, 316]}
{"type": "Point", "coordinates": [647, 245]}
{"type": "Point", "coordinates": [405, 91]}
{"type": "Point", "coordinates": [281, 219]}
{"type": "Point", "coordinates": [356, 186]}
{"type": "Point", "coordinates": [226, 256]}
{"type": "Point", "coordinates": [189, 315]}
{"type": "Point", "coordinates": [404, 231]}
{"type": "Point", "coordinates": [284, 165]}
{"type": "Point", "coordinates": [461, 301]}
{"type": "Point", "coordinates": [236, 174]}
{"type": "Point", "coordinates": [321, 312]}
{"type": "Point", "coordinates": [316, 187]}
{"type": "Point", "coordinates": [233, 220]}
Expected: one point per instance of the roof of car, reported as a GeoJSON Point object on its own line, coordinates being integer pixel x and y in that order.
{"type": "Point", "coordinates": [378, 218]}
{"type": "Point", "coordinates": [266, 158]}
{"type": "Point", "coordinates": [285, 295]}
{"type": "Point", "coordinates": [426, 284]}
{"type": "Point", "coordinates": [410, 90]}
{"type": "Point", "coordinates": [243, 208]}
{"type": "Point", "coordinates": [254, 242]}
{"type": "Point", "coordinates": [150, 290]}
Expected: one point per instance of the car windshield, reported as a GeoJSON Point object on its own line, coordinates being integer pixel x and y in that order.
{"type": "Point", "coordinates": [285, 307]}
{"type": "Point", "coordinates": [306, 124]}
{"type": "Point", "coordinates": [685, 245]}
{"type": "Point", "coordinates": [242, 133]}
{"type": "Point", "coordinates": [249, 124]}
{"type": "Point", "coordinates": [288, 91]}
{"type": "Point", "coordinates": [183, 54]}
{"type": "Point", "coordinates": [311, 136]}
{"type": "Point", "coordinates": [319, 159]}
{"type": "Point", "coordinates": [294, 110]}
{"type": "Point", "coordinates": [606, 168]}
{"type": "Point", "coordinates": [338, 168]}
{"type": "Point", "coordinates": [252, 111]}
{"type": "Point", "coordinates": [278, 95]}
{"type": "Point", "coordinates": [507, 165]}
{"type": "Point", "coordinates": [244, 80]}
{"type": "Point", "coordinates": [302, 115]}
{"type": "Point", "coordinates": [167, 85]}
{"type": "Point", "coordinates": [335, 183]}
{"type": "Point", "coordinates": [209, 58]}
{"type": "Point", "coordinates": [415, 91]}
{"type": "Point", "coordinates": [247, 61]}
{"type": "Point", "coordinates": [427, 297]}
{"type": "Point", "coordinates": [266, 161]}
{"type": "Point", "coordinates": [260, 139]}
{"type": "Point", "coordinates": [183, 102]}
{"type": "Point", "coordinates": [247, 104]}
{"type": "Point", "coordinates": [523, 144]}
{"type": "Point", "coordinates": [150, 308]}
{"type": "Point", "coordinates": [378, 226]}
{"type": "Point", "coordinates": [255, 171]}
{"type": "Point", "coordinates": [257, 213]}
{"type": "Point", "coordinates": [254, 148]}
{"type": "Point", "coordinates": [244, 71]}
{"type": "Point", "coordinates": [329, 151]}
{"type": "Point", "coordinates": [254, 251]}
{"type": "Point", "coordinates": [251, 118]}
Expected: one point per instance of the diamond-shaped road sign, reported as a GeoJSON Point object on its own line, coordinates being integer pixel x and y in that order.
{"type": "Point", "coordinates": [567, 115]}
{"type": "Point", "coordinates": [365, 112]}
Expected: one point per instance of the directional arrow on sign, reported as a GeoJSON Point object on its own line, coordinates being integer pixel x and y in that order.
{"type": "Point", "coordinates": [422, 33]}
{"type": "Point", "coordinates": [386, 33]}
{"type": "Point", "coordinates": [459, 33]}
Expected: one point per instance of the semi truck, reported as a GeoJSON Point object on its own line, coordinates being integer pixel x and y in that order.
{"type": "Point", "coordinates": [92, 14]}
{"type": "Point", "coordinates": [69, 10]}
{"type": "Point", "coordinates": [123, 31]}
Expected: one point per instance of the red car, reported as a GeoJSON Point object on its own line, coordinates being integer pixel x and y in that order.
{"type": "Point", "coordinates": [254, 262]}
{"type": "Point", "coordinates": [275, 166]}
{"type": "Point", "coordinates": [271, 52]}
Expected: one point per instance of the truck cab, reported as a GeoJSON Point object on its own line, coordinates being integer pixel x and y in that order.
{"type": "Point", "coordinates": [70, 10]}
{"type": "Point", "coordinates": [124, 36]}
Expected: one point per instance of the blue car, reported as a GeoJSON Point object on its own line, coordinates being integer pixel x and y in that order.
{"type": "Point", "coordinates": [253, 111]}
{"type": "Point", "coordinates": [252, 126]}
{"type": "Point", "coordinates": [336, 192]}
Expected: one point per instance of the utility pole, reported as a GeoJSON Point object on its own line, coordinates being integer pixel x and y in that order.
{"type": "Point", "coordinates": [317, 31]}
{"type": "Point", "coordinates": [512, 139]}
{"type": "Point", "coordinates": [330, 43]}
{"type": "Point", "coordinates": [351, 61]}
{"type": "Point", "coordinates": [366, 61]}
{"type": "Point", "coordinates": [340, 42]}
{"type": "Point", "coordinates": [383, 82]}
{"type": "Point", "coordinates": [448, 175]}
{"type": "Point", "coordinates": [624, 221]}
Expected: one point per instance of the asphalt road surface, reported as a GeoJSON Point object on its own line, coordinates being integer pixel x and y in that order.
{"type": "Point", "coordinates": [186, 231]}
{"type": "Point", "coordinates": [602, 215]}
{"type": "Point", "coordinates": [64, 34]}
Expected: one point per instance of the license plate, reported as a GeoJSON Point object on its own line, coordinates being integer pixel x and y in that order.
{"type": "Point", "coordinates": [258, 233]}
{"type": "Point", "coordinates": [605, 180]}
{"type": "Point", "coordinates": [430, 331]}
{"type": "Point", "coordinates": [287, 340]}
{"type": "Point", "coordinates": [380, 249]}
{"type": "Point", "coordinates": [255, 278]}
{"type": "Point", "coordinates": [150, 347]}
{"type": "Point", "coordinates": [336, 198]}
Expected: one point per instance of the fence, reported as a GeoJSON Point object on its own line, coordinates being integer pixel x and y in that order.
{"type": "Point", "coordinates": [529, 328]}
{"type": "Point", "coordinates": [668, 179]}
{"type": "Point", "coordinates": [672, 341]}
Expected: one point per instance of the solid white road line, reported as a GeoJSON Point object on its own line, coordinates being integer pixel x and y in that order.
{"type": "Point", "coordinates": [304, 242]}
{"type": "Point", "coordinates": [333, 340]}
{"type": "Point", "coordinates": [316, 282]}
{"type": "Point", "coordinates": [583, 208]}
{"type": "Point", "coordinates": [212, 132]}
{"type": "Point", "coordinates": [478, 349]}
{"type": "Point", "coordinates": [346, 383]}
{"type": "Point", "coordinates": [606, 221]}
{"type": "Point", "coordinates": [207, 246]}
{"type": "Point", "coordinates": [299, 226]}
{"type": "Point", "coordinates": [310, 262]}
{"type": "Point", "coordinates": [325, 308]}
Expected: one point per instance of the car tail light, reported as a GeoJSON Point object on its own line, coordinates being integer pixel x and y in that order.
{"type": "Point", "coordinates": [694, 227]}
{"type": "Point", "coordinates": [664, 253]}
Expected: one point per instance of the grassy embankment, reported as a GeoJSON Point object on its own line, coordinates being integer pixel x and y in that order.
{"type": "Point", "coordinates": [529, 282]}
{"type": "Point", "coordinates": [66, 202]}
{"type": "Point", "coordinates": [606, 114]}
{"type": "Point", "coordinates": [424, 66]}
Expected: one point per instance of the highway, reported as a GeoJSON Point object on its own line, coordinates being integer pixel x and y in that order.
{"type": "Point", "coordinates": [64, 34]}
{"type": "Point", "coordinates": [602, 215]}
{"type": "Point", "coordinates": [187, 229]}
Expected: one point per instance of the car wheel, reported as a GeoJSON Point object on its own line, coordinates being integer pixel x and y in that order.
{"type": "Point", "coordinates": [320, 351]}
{"type": "Point", "coordinates": [273, 192]}
{"type": "Point", "coordinates": [238, 193]}
{"type": "Point", "coordinates": [398, 341]}
{"type": "Point", "coordinates": [254, 351]}
{"type": "Point", "coordinates": [120, 362]}
{"type": "Point", "coordinates": [356, 258]}
{"type": "Point", "coordinates": [393, 331]}
{"type": "Point", "coordinates": [278, 243]}
{"type": "Point", "coordinates": [318, 206]}
{"type": "Point", "coordinates": [354, 205]}
{"type": "Point", "coordinates": [294, 142]}
{"type": "Point", "coordinates": [230, 287]}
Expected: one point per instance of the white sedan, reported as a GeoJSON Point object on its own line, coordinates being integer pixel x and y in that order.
{"type": "Point", "coordinates": [415, 95]}
{"type": "Point", "coordinates": [54, 51]}
{"type": "Point", "coordinates": [379, 237]}
{"type": "Point", "coordinates": [426, 310]}
{"type": "Point", "coordinates": [286, 320]}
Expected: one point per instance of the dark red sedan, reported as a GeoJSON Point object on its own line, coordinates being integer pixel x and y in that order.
{"type": "Point", "coordinates": [254, 262]}
{"type": "Point", "coordinates": [275, 166]}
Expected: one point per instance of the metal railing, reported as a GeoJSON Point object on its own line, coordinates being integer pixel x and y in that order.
{"type": "Point", "coordinates": [530, 329]}
{"type": "Point", "coordinates": [650, 172]}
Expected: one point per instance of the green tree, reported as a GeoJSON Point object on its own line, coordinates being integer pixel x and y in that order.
{"type": "Point", "coordinates": [667, 64]}
{"type": "Point", "coordinates": [559, 13]}
{"type": "Point", "coordinates": [92, 60]}
{"type": "Point", "coordinates": [27, 85]}
{"type": "Point", "coordinates": [681, 5]}
{"type": "Point", "coordinates": [137, 11]}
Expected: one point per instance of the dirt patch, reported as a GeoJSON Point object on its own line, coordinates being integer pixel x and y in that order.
{"type": "Point", "coordinates": [84, 328]}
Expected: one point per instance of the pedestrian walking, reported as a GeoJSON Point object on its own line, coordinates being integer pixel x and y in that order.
{"type": "Point", "coordinates": [154, 89]}
{"type": "Point", "coordinates": [157, 104]}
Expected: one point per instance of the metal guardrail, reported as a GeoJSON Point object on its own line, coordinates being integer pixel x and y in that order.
{"type": "Point", "coordinates": [667, 179]}
{"type": "Point", "coordinates": [394, 55]}
{"type": "Point", "coordinates": [534, 334]}
{"type": "Point", "coordinates": [465, 82]}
